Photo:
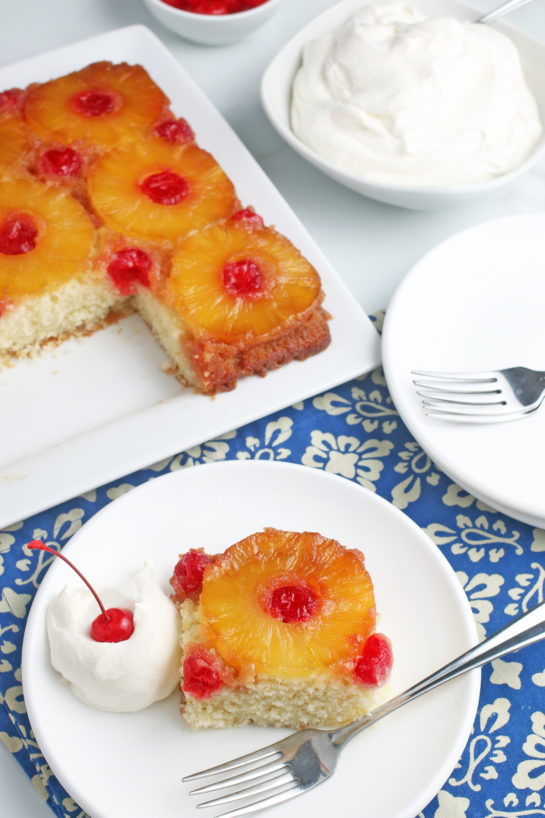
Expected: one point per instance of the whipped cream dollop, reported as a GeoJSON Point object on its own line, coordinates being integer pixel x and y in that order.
{"type": "Point", "coordinates": [117, 676]}
{"type": "Point", "coordinates": [398, 98]}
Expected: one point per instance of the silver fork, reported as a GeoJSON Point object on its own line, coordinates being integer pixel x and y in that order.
{"type": "Point", "coordinates": [500, 11]}
{"type": "Point", "coordinates": [303, 760]}
{"type": "Point", "coordinates": [481, 397]}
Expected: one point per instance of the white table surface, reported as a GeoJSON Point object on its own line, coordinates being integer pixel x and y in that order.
{"type": "Point", "coordinates": [371, 245]}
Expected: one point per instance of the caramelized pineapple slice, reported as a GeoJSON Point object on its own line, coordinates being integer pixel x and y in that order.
{"type": "Point", "coordinates": [46, 237]}
{"type": "Point", "coordinates": [13, 140]}
{"type": "Point", "coordinates": [240, 279]}
{"type": "Point", "coordinates": [101, 104]}
{"type": "Point", "coordinates": [153, 190]}
{"type": "Point", "coordinates": [287, 604]}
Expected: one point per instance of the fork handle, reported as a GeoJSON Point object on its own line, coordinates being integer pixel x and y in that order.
{"type": "Point", "coordinates": [512, 636]}
{"type": "Point", "coordinates": [505, 8]}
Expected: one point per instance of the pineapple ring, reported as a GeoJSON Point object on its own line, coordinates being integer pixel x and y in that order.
{"type": "Point", "coordinates": [238, 626]}
{"type": "Point", "coordinates": [64, 232]}
{"type": "Point", "coordinates": [202, 291]}
{"type": "Point", "coordinates": [58, 108]}
{"type": "Point", "coordinates": [117, 186]}
{"type": "Point", "coordinates": [13, 139]}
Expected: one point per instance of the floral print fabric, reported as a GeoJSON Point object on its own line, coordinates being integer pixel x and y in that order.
{"type": "Point", "coordinates": [355, 432]}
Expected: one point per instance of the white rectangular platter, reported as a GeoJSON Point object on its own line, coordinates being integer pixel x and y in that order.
{"type": "Point", "coordinates": [100, 407]}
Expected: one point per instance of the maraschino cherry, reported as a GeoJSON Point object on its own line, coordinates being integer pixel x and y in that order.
{"type": "Point", "coordinates": [188, 574]}
{"type": "Point", "coordinates": [113, 624]}
{"type": "Point", "coordinates": [293, 603]}
{"type": "Point", "coordinates": [375, 661]}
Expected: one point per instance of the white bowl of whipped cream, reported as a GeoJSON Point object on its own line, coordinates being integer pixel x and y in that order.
{"type": "Point", "coordinates": [410, 103]}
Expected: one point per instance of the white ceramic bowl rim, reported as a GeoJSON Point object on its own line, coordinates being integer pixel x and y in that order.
{"type": "Point", "coordinates": [181, 13]}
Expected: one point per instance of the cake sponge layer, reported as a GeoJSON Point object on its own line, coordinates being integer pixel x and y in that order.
{"type": "Point", "coordinates": [322, 701]}
{"type": "Point", "coordinates": [80, 305]}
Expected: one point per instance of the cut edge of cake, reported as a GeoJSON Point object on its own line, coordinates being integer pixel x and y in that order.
{"type": "Point", "coordinates": [78, 307]}
{"type": "Point", "coordinates": [320, 702]}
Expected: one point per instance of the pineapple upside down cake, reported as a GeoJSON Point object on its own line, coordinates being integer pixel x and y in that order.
{"type": "Point", "coordinates": [279, 630]}
{"type": "Point", "coordinates": [108, 205]}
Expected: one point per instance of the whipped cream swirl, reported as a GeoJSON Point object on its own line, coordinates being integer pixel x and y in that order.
{"type": "Point", "coordinates": [119, 676]}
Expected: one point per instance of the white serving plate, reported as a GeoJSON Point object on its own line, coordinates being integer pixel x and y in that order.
{"type": "Point", "coordinates": [475, 302]}
{"type": "Point", "coordinates": [130, 765]}
{"type": "Point", "coordinates": [276, 91]}
{"type": "Point", "coordinates": [100, 407]}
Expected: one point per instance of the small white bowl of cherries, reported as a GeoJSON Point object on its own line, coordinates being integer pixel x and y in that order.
{"type": "Point", "coordinates": [213, 22]}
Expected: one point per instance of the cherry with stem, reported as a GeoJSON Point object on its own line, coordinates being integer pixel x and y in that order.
{"type": "Point", "coordinates": [112, 624]}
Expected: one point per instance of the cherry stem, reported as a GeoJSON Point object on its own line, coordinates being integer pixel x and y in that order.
{"type": "Point", "coordinates": [38, 544]}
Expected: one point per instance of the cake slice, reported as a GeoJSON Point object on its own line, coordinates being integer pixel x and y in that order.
{"type": "Point", "coordinates": [49, 284]}
{"type": "Point", "coordinates": [279, 630]}
{"type": "Point", "coordinates": [239, 300]}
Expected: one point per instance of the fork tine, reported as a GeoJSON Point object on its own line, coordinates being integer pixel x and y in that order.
{"type": "Point", "coordinates": [463, 400]}
{"type": "Point", "coordinates": [469, 398]}
{"type": "Point", "coordinates": [258, 755]}
{"type": "Point", "coordinates": [460, 388]}
{"type": "Point", "coordinates": [290, 791]}
{"type": "Point", "coordinates": [263, 787]}
{"type": "Point", "coordinates": [469, 410]}
{"type": "Point", "coordinates": [476, 417]}
{"type": "Point", "coordinates": [256, 772]}
{"type": "Point", "coordinates": [473, 377]}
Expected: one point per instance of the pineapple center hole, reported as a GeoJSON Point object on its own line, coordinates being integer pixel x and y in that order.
{"type": "Point", "coordinates": [129, 267]}
{"type": "Point", "coordinates": [243, 278]}
{"type": "Point", "coordinates": [18, 234]}
{"type": "Point", "coordinates": [288, 602]}
{"type": "Point", "coordinates": [165, 187]}
{"type": "Point", "coordinates": [95, 102]}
